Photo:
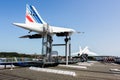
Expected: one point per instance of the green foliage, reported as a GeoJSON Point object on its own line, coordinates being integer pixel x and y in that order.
{"type": "Point", "coordinates": [91, 58]}
{"type": "Point", "coordinates": [14, 54]}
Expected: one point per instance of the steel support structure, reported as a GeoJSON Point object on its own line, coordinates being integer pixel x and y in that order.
{"type": "Point", "coordinates": [67, 48]}
{"type": "Point", "coordinates": [47, 46]}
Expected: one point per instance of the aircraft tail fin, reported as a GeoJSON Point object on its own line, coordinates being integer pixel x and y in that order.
{"type": "Point", "coordinates": [32, 15]}
{"type": "Point", "coordinates": [80, 50]}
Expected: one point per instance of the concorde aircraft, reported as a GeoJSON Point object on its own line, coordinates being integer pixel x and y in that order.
{"type": "Point", "coordinates": [84, 51]}
{"type": "Point", "coordinates": [35, 23]}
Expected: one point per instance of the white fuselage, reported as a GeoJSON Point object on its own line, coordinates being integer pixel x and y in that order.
{"type": "Point", "coordinates": [40, 28]}
{"type": "Point", "coordinates": [32, 26]}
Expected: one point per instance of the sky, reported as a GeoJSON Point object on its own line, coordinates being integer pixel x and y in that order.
{"type": "Point", "coordinates": [98, 19]}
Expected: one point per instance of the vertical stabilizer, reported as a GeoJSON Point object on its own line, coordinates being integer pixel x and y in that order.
{"type": "Point", "coordinates": [84, 50]}
{"type": "Point", "coordinates": [32, 15]}
{"type": "Point", "coordinates": [80, 50]}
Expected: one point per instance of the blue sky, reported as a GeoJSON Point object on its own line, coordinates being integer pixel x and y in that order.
{"type": "Point", "coordinates": [99, 19]}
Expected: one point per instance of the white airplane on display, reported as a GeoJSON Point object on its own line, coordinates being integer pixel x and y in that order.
{"type": "Point", "coordinates": [35, 23]}
{"type": "Point", "coordinates": [84, 51]}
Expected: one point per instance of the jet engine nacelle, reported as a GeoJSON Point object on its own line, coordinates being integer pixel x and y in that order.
{"type": "Point", "coordinates": [62, 34]}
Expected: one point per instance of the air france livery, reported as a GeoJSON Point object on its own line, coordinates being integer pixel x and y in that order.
{"type": "Point", "coordinates": [35, 23]}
